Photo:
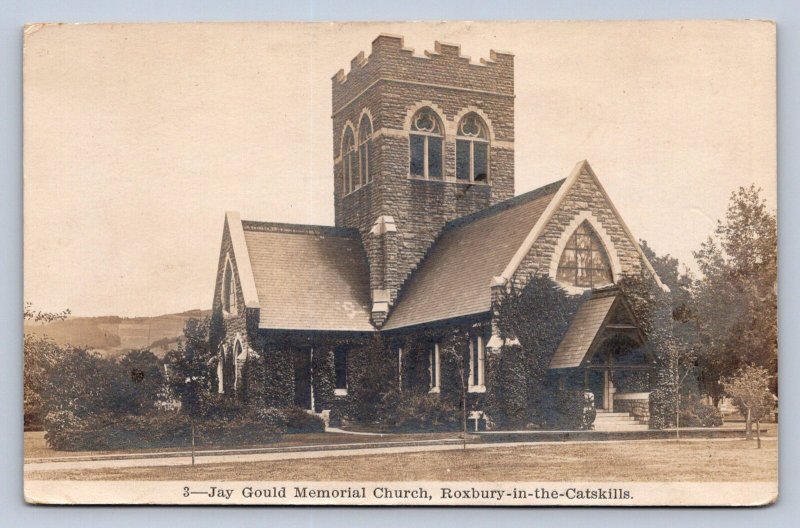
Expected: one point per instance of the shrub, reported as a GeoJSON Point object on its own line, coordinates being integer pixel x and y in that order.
{"type": "Point", "coordinates": [60, 427]}
{"type": "Point", "coordinates": [699, 414]}
{"type": "Point", "coordinates": [694, 412]}
{"type": "Point", "coordinates": [230, 425]}
{"type": "Point", "coordinates": [301, 421]}
{"type": "Point", "coordinates": [570, 410]}
{"type": "Point", "coordinates": [418, 412]}
{"type": "Point", "coordinates": [246, 429]}
{"type": "Point", "coordinates": [68, 433]}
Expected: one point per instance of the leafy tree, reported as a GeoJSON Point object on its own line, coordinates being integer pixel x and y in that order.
{"type": "Point", "coordinates": [140, 382]}
{"type": "Point", "coordinates": [189, 366]}
{"type": "Point", "coordinates": [749, 389]}
{"type": "Point", "coordinates": [736, 298]}
{"type": "Point", "coordinates": [38, 351]}
{"type": "Point", "coordinates": [679, 281]}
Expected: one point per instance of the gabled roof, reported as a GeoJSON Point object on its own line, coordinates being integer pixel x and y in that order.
{"type": "Point", "coordinates": [487, 247]}
{"type": "Point", "coordinates": [454, 278]}
{"type": "Point", "coordinates": [606, 309]}
{"type": "Point", "coordinates": [308, 277]}
{"type": "Point", "coordinates": [582, 167]}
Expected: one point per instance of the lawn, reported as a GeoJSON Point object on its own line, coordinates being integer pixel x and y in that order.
{"type": "Point", "coordinates": [650, 460]}
{"type": "Point", "coordinates": [36, 446]}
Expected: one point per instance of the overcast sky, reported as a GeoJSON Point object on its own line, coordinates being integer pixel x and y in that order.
{"type": "Point", "coordinates": [139, 137]}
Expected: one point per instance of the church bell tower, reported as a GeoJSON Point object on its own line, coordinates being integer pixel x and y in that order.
{"type": "Point", "coordinates": [418, 140]}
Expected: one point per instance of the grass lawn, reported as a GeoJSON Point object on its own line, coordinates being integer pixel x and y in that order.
{"type": "Point", "coordinates": [652, 460]}
{"type": "Point", "coordinates": [36, 447]}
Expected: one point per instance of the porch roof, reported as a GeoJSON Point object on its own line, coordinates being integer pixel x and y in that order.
{"type": "Point", "coordinates": [587, 326]}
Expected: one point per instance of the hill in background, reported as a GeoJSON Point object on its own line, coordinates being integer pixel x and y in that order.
{"type": "Point", "coordinates": [114, 336]}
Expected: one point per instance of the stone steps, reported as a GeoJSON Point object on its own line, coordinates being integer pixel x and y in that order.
{"type": "Point", "coordinates": [617, 421]}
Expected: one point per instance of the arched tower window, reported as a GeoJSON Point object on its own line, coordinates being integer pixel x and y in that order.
{"type": "Point", "coordinates": [584, 262]}
{"type": "Point", "coordinates": [365, 149]}
{"type": "Point", "coordinates": [349, 161]}
{"type": "Point", "coordinates": [426, 144]}
{"type": "Point", "coordinates": [229, 290]}
{"type": "Point", "coordinates": [472, 150]}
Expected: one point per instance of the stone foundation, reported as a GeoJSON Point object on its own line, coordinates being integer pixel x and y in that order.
{"type": "Point", "coordinates": [637, 404]}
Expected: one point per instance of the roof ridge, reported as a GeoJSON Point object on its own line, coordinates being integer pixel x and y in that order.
{"type": "Point", "coordinates": [299, 229]}
{"type": "Point", "coordinates": [499, 207]}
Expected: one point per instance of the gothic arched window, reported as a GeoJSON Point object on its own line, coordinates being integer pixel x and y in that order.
{"type": "Point", "coordinates": [426, 144]}
{"type": "Point", "coordinates": [365, 149]}
{"type": "Point", "coordinates": [472, 150]}
{"type": "Point", "coordinates": [229, 290]}
{"type": "Point", "coordinates": [349, 161]}
{"type": "Point", "coordinates": [584, 262]}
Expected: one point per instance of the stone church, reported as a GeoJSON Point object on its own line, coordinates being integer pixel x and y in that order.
{"type": "Point", "coordinates": [427, 232]}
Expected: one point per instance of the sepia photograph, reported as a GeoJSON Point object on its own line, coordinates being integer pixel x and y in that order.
{"type": "Point", "coordinates": [513, 263]}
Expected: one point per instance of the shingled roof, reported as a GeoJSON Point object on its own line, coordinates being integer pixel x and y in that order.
{"type": "Point", "coordinates": [454, 278]}
{"type": "Point", "coordinates": [309, 277]}
{"type": "Point", "coordinates": [606, 309]}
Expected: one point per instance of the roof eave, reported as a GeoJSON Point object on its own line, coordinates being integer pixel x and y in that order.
{"type": "Point", "coordinates": [242, 256]}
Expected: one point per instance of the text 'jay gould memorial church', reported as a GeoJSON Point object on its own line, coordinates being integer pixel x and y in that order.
{"type": "Point", "coordinates": [428, 232]}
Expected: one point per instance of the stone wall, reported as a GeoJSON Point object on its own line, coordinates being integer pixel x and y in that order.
{"type": "Point", "coordinates": [241, 324]}
{"type": "Point", "coordinates": [640, 409]}
{"type": "Point", "coordinates": [584, 196]}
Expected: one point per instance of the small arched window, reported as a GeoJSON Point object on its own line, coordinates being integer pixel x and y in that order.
{"type": "Point", "coordinates": [584, 262]}
{"type": "Point", "coordinates": [472, 150]}
{"type": "Point", "coordinates": [229, 290]}
{"type": "Point", "coordinates": [426, 145]}
{"type": "Point", "coordinates": [365, 150]}
{"type": "Point", "coordinates": [349, 161]}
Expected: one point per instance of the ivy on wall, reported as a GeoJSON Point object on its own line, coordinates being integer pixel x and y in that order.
{"type": "Point", "coordinates": [278, 377]}
{"type": "Point", "coordinates": [323, 378]}
{"type": "Point", "coordinates": [537, 316]}
{"type": "Point", "coordinates": [369, 377]}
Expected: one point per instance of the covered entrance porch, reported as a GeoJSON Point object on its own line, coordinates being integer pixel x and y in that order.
{"type": "Point", "coordinates": [605, 344]}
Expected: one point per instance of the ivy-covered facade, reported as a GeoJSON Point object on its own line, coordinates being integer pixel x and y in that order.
{"type": "Point", "coordinates": [436, 286]}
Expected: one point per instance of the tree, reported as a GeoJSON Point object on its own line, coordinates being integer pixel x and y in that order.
{"type": "Point", "coordinates": [736, 299]}
{"type": "Point", "coordinates": [38, 352]}
{"type": "Point", "coordinates": [190, 376]}
{"type": "Point", "coordinates": [140, 382]}
{"type": "Point", "coordinates": [675, 361]}
{"type": "Point", "coordinates": [749, 390]}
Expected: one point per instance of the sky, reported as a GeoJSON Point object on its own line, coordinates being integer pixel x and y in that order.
{"type": "Point", "coordinates": [138, 138]}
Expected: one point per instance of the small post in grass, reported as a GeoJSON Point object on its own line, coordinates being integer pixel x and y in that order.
{"type": "Point", "coordinates": [192, 442]}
